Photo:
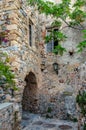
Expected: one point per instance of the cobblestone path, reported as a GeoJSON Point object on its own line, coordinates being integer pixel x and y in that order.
{"type": "Point", "coordinates": [36, 122]}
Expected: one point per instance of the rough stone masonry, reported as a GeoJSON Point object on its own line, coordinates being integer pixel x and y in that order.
{"type": "Point", "coordinates": [41, 90]}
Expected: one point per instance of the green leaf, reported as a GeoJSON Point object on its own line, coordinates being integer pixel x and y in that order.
{"type": "Point", "coordinates": [59, 50]}
{"type": "Point", "coordinates": [81, 46]}
{"type": "Point", "coordinates": [79, 3]}
{"type": "Point", "coordinates": [56, 23]}
{"type": "Point", "coordinates": [6, 76]}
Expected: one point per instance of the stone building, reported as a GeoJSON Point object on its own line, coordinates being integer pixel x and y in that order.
{"type": "Point", "coordinates": [18, 38]}
{"type": "Point", "coordinates": [41, 88]}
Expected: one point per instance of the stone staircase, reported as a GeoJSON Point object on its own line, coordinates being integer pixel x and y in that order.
{"type": "Point", "coordinates": [36, 122]}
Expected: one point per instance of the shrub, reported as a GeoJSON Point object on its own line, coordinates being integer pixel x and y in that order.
{"type": "Point", "coordinates": [6, 75]}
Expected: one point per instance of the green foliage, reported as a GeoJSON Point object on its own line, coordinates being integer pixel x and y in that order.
{"type": "Point", "coordinates": [56, 36]}
{"type": "Point", "coordinates": [61, 12]}
{"type": "Point", "coordinates": [74, 120]}
{"type": "Point", "coordinates": [56, 23]}
{"type": "Point", "coordinates": [59, 50]}
{"type": "Point", "coordinates": [48, 116]}
{"type": "Point", "coordinates": [49, 37]}
{"type": "Point", "coordinates": [49, 110]}
{"type": "Point", "coordinates": [73, 16]}
{"type": "Point", "coordinates": [79, 3]}
{"type": "Point", "coordinates": [81, 100]}
{"type": "Point", "coordinates": [82, 44]}
{"type": "Point", "coordinates": [6, 75]}
{"type": "Point", "coordinates": [78, 15]}
{"type": "Point", "coordinates": [84, 127]}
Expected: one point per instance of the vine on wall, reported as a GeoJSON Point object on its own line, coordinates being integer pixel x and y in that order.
{"type": "Point", "coordinates": [6, 75]}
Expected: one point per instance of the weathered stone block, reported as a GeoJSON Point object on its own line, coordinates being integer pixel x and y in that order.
{"type": "Point", "coordinates": [12, 27]}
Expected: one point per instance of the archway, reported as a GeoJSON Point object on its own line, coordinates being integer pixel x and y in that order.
{"type": "Point", "coordinates": [29, 101]}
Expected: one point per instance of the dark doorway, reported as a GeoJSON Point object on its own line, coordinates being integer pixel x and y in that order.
{"type": "Point", "coordinates": [29, 101]}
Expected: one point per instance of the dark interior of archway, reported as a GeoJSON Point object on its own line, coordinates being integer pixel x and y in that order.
{"type": "Point", "coordinates": [29, 101]}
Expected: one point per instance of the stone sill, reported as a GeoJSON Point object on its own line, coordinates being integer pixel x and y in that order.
{"type": "Point", "coordinates": [5, 105]}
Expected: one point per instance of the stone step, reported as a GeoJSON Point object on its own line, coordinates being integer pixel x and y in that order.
{"type": "Point", "coordinates": [36, 122]}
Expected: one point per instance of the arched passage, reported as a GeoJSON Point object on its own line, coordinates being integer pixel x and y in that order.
{"type": "Point", "coordinates": [29, 101]}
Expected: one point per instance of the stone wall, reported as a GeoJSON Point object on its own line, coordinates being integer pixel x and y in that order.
{"type": "Point", "coordinates": [58, 94]}
{"type": "Point", "coordinates": [53, 93]}
{"type": "Point", "coordinates": [6, 116]}
{"type": "Point", "coordinates": [24, 58]}
{"type": "Point", "coordinates": [58, 91]}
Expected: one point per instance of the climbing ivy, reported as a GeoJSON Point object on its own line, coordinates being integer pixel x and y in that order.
{"type": "Point", "coordinates": [6, 75]}
{"type": "Point", "coordinates": [61, 13]}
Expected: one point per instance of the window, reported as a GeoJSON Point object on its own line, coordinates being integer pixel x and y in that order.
{"type": "Point", "coordinates": [30, 33]}
{"type": "Point", "coordinates": [53, 43]}
{"type": "Point", "coordinates": [50, 44]}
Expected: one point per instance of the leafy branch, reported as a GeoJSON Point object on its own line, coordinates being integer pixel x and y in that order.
{"type": "Point", "coordinates": [72, 15]}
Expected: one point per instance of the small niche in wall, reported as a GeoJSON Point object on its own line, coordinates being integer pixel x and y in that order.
{"type": "Point", "coordinates": [71, 52]}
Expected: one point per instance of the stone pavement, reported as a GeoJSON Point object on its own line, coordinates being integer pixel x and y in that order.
{"type": "Point", "coordinates": [36, 122]}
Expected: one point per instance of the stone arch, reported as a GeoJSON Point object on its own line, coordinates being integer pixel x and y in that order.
{"type": "Point", "coordinates": [29, 101]}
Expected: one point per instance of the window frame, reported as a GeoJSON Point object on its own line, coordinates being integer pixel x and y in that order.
{"type": "Point", "coordinates": [50, 29]}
